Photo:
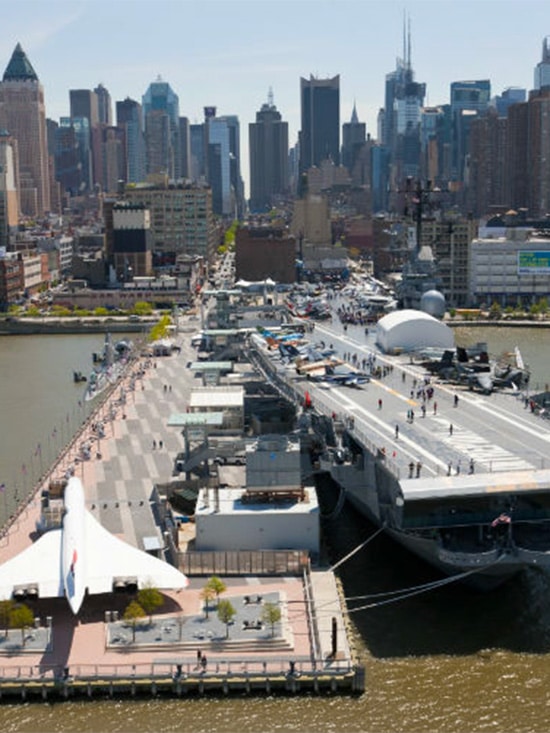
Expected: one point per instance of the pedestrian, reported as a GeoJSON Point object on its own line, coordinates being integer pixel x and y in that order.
{"type": "Point", "coordinates": [411, 469]}
{"type": "Point", "coordinates": [396, 432]}
{"type": "Point", "coordinates": [423, 408]}
{"type": "Point", "coordinates": [449, 468]}
{"type": "Point", "coordinates": [170, 388]}
{"type": "Point", "coordinates": [165, 388]}
{"type": "Point", "coordinates": [456, 400]}
{"type": "Point", "coordinates": [451, 429]}
{"type": "Point", "coordinates": [160, 444]}
{"type": "Point", "coordinates": [458, 468]}
{"type": "Point", "coordinates": [380, 404]}
{"type": "Point", "coordinates": [435, 408]}
{"type": "Point", "coordinates": [154, 444]}
{"type": "Point", "coordinates": [418, 469]}
{"type": "Point", "coordinates": [471, 470]}
{"type": "Point", "coordinates": [204, 662]}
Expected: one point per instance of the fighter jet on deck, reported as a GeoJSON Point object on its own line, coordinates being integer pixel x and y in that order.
{"type": "Point", "coordinates": [82, 557]}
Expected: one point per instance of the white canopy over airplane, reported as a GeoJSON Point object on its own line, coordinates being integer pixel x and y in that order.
{"type": "Point", "coordinates": [82, 557]}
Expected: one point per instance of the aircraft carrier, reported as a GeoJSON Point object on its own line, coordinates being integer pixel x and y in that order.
{"type": "Point", "coordinates": [458, 476]}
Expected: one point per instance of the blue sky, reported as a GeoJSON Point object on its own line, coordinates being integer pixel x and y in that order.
{"type": "Point", "coordinates": [228, 53]}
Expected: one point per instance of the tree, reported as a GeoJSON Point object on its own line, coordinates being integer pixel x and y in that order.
{"type": "Point", "coordinates": [495, 311]}
{"type": "Point", "coordinates": [271, 614]}
{"type": "Point", "coordinates": [160, 329]}
{"type": "Point", "coordinates": [6, 608]}
{"type": "Point", "coordinates": [226, 612]}
{"type": "Point", "coordinates": [207, 594]}
{"type": "Point", "coordinates": [150, 599]}
{"type": "Point", "coordinates": [217, 585]}
{"type": "Point", "coordinates": [21, 617]}
{"type": "Point", "coordinates": [132, 614]}
{"type": "Point", "coordinates": [142, 308]}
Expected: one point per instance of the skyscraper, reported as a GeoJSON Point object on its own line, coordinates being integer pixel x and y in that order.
{"type": "Point", "coordinates": [104, 110]}
{"type": "Point", "coordinates": [218, 165]}
{"type": "Point", "coordinates": [9, 208]}
{"type": "Point", "coordinates": [469, 99]}
{"type": "Point", "coordinates": [161, 114]}
{"type": "Point", "coordinates": [320, 131]}
{"type": "Point", "coordinates": [23, 115]}
{"type": "Point", "coordinates": [268, 146]}
{"type": "Point", "coordinates": [236, 181]}
{"type": "Point", "coordinates": [354, 135]}
{"type": "Point", "coordinates": [84, 103]}
{"type": "Point", "coordinates": [129, 118]}
{"type": "Point", "coordinates": [542, 69]}
{"type": "Point", "coordinates": [85, 115]}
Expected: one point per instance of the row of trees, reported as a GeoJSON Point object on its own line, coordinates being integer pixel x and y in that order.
{"type": "Point", "coordinates": [149, 599]}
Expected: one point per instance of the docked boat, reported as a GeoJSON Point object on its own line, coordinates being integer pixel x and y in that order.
{"type": "Point", "coordinates": [458, 477]}
{"type": "Point", "coordinates": [108, 368]}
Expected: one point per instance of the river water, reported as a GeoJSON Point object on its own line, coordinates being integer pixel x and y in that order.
{"type": "Point", "coordinates": [451, 660]}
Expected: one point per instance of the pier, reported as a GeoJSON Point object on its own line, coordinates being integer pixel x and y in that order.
{"type": "Point", "coordinates": [135, 451]}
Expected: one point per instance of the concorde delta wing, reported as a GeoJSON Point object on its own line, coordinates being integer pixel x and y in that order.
{"type": "Point", "coordinates": [35, 571]}
{"type": "Point", "coordinates": [110, 560]}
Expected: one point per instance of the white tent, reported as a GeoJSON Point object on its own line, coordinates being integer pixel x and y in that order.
{"type": "Point", "coordinates": [407, 330]}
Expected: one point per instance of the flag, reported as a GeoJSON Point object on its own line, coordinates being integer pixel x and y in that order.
{"type": "Point", "coordinates": [501, 519]}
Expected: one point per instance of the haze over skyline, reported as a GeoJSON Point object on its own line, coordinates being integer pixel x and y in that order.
{"type": "Point", "coordinates": [228, 53]}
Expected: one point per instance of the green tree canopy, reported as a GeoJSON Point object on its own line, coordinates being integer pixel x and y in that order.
{"type": "Point", "coordinates": [21, 617]}
{"type": "Point", "coordinates": [217, 585]}
{"type": "Point", "coordinates": [206, 595]}
{"type": "Point", "coordinates": [271, 614]}
{"type": "Point", "coordinates": [142, 308]}
{"type": "Point", "coordinates": [226, 611]}
{"type": "Point", "coordinates": [150, 599]}
{"type": "Point", "coordinates": [132, 614]}
{"type": "Point", "coordinates": [6, 608]}
{"type": "Point", "coordinates": [160, 329]}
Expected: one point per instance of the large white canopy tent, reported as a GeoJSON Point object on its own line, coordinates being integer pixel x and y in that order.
{"type": "Point", "coordinates": [407, 330]}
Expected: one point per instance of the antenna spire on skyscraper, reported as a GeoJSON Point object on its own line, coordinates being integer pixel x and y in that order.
{"type": "Point", "coordinates": [270, 97]}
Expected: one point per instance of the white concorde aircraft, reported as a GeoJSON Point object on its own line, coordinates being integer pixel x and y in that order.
{"type": "Point", "coordinates": [82, 557]}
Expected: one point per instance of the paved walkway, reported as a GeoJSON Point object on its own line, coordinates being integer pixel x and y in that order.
{"type": "Point", "coordinates": [118, 487]}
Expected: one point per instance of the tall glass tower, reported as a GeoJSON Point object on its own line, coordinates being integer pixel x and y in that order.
{"type": "Point", "coordinates": [320, 131]}
{"type": "Point", "coordinates": [542, 69]}
{"type": "Point", "coordinates": [23, 115]}
{"type": "Point", "coordinates": [161, 114]}
{"type": "Point", "coordinates": [268, 144]}
{"type": "Point", "coordinates": [129, 118]}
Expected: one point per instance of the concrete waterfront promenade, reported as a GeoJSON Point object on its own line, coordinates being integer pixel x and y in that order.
{"type": "Point", "coordinates": [95, 653]}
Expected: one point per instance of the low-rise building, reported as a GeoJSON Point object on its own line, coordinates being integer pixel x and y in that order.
{"type": "Point", "coordinates": [510, 269]}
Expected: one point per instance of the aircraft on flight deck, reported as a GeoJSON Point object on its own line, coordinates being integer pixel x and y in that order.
{"type": "Point", "coordinates": [82, 557]}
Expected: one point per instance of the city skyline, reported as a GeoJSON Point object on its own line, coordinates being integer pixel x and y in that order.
{"type": "Point", "coordinates": [230, 54]}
